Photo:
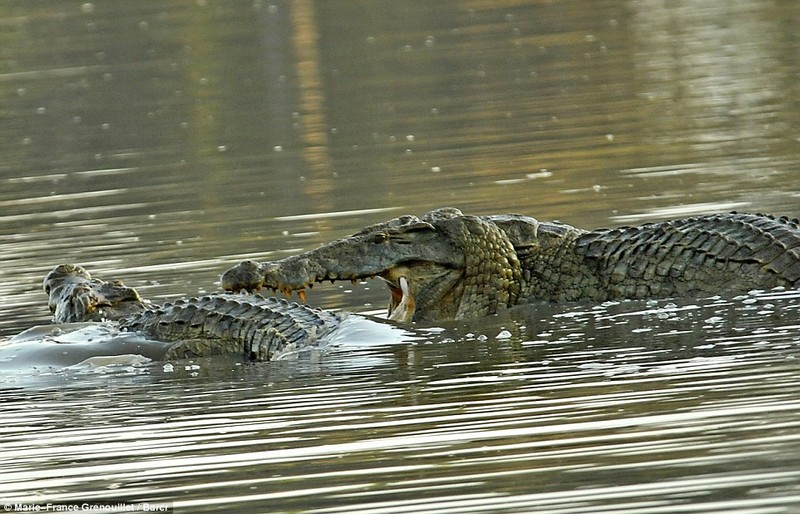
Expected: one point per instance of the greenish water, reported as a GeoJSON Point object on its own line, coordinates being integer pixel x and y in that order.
{"type": "Point", "coordinates": [160, 142]}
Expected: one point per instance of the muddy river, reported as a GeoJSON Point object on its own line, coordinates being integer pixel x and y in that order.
{"type": "Point", "coordinates": [161, 142]}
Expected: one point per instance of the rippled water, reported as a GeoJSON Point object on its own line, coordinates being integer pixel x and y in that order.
{"type": "Point", "coordinates": [161, 142]}
{"type": "Point", "coordinates": [649, 407]}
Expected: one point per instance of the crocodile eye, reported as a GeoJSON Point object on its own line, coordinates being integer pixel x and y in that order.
{"type": "Point", "coordinates": [380, 237]}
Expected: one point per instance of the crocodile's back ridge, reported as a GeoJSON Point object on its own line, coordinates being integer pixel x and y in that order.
{"type": "Point", "coordinates": [699, 254]}
{"type": "Point", "coordinates": [248, 325]}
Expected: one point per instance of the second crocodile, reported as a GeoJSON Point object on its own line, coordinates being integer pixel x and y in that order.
{"type": "Point", "coordinates": [447, 265]}
{"type": "Point", "coordinates": [248, 327]}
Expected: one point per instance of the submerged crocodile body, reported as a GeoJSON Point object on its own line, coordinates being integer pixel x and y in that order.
{"type": "Point", "coordinates": [447, 265]}
{"type": "Point", "coordinates": [249, 327]}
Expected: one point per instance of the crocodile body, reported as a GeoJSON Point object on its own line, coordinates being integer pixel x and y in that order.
{"type": "Point", "coordinates": [253, 327]}
{"type": "Point", "coordinates": [248, 327]}
{"type": "Point", "coordinates": [447, 265]}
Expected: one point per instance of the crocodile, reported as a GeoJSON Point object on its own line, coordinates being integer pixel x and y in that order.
{"type": "Point", "coordinates": [95, 318]}
{"type": "Point", "coordinates": [447, 265]}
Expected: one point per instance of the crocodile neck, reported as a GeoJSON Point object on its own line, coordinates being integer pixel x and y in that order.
{"type": "Point", "coordinates": [551, 268]}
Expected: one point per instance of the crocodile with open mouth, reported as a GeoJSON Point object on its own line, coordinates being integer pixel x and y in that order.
{"type": "Point", "coordinates": [447, 265]}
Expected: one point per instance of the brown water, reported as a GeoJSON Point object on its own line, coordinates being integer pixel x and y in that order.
{"type": "Point", "coordinates": [160, 142]}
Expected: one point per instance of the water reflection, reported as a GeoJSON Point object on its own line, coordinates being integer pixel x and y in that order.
{"type": "Point", "coordinates": [711, 83]}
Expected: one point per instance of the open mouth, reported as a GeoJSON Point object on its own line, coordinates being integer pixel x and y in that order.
{"type": "Point", "coordinates": [401, 304]}
{"type": "Point", "coordinates": [249, 275]}
{"type": "Point", "coordinates": [401, 300]}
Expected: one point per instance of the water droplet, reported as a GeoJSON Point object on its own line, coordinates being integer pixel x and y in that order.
{"type": "Point", "coordinates": [222, 148]}
{"type": "Point", "coordinates": [87, 8]}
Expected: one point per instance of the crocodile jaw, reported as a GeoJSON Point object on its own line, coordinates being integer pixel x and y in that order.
{"type": "Point", "coordinates": [422, 291]}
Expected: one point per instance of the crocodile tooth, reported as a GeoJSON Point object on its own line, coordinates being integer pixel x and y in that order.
{"type": "Point", "coordinates": [287, 293]}
{"type": "Point", "coordinates": [405, 307]}
{"type": "Point", "coordinates": [301, 293]}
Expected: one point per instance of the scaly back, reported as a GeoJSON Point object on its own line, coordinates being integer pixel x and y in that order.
{"type": "Point", "coordinates": [698, 255]}
{"type": "Point", "coordinates": [247, 325]}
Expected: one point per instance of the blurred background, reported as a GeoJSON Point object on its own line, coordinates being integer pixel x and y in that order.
{"type": "Point", "coordinates": [162, 141]}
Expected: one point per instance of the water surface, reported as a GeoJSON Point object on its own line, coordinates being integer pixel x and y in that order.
{"type": "Point", "coordinates": [162, 142]}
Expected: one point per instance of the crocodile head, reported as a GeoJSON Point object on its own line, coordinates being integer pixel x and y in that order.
{"type": "Point", "coordinates": [76, 296]}
{"type": "Point", "coordinates": [443, 265]}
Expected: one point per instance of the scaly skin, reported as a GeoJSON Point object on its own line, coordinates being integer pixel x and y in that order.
{"type": "Point", "coordinates": [426, 255]}
{"type": "Point", "coordinates": [446, 265]}
{"type": "Point", "coordinates": [251, 326]}
{"type": "Point", "coordinates": [75, 296]}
